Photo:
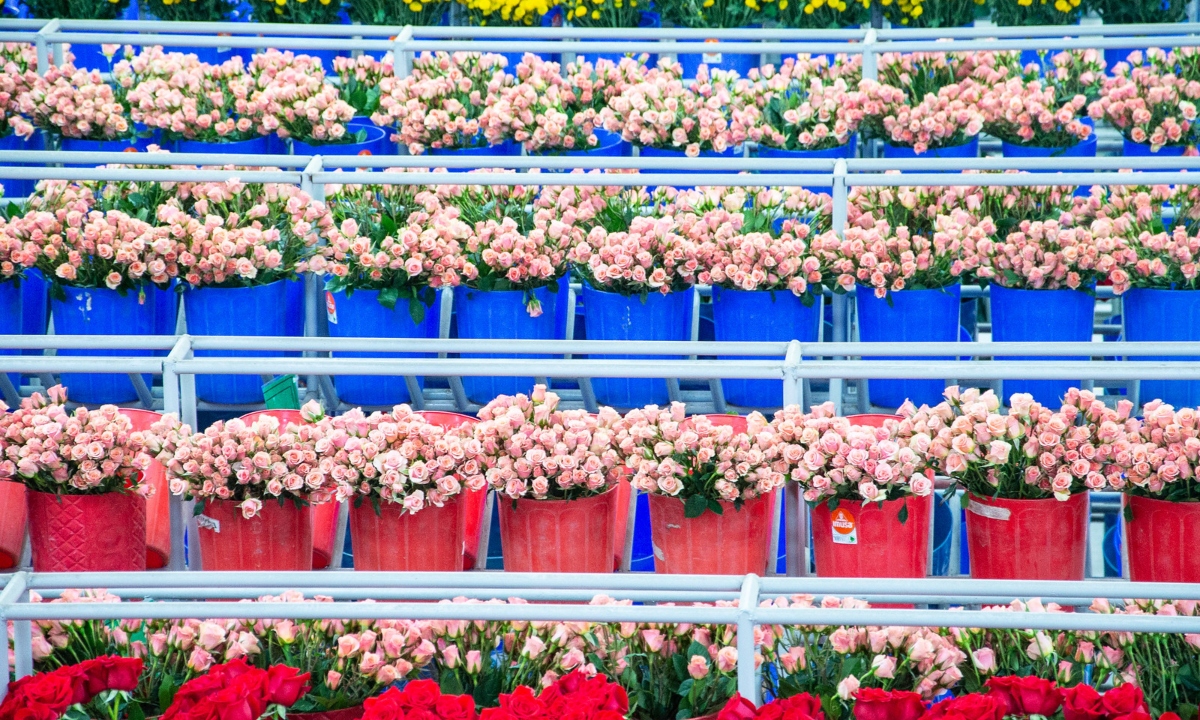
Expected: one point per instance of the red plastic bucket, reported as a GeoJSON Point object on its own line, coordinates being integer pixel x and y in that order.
{"type": "Point", "coordinates": [430, 540]}
{"type": "Point", "coordinates": [13, 521]}
{"type": "Point", "coordinates": [87, 533]}
{"type": "Point", "coordinates": [1028, 539]}
{"type": "Point", "coordinates": [1162, 538]}
{"type": "Point", "coordinates": [737, 422]}
{"type": "Point", "coordinates": [734, 543]}
{"type": "Point", "coordinates": [158, 505]}
{"type": "Point", "coordinates": [559, 535]}
{"type": "Point", "coordinates": [476, 500]}
{"type": "Point", "coordinates": [870, 541]}
{"type": "Point", "coordinates": [278, 538]}
{"type": "Point", "coordinates": [871, 419]}
{"type": "Point", "coordinates": [624, 497]}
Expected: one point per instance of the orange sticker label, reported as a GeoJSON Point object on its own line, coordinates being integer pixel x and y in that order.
{"type": "Point", "coordinates": [130, 149]}
{"type": "Point", "coordinates": [845, 529]}
{"type": "Point", "coordinates": [364, 152]}
{"type": "Point", "coordinates": [330, 308]}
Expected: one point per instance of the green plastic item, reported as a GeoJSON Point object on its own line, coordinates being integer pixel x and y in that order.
{"type": "Point", "coordinates": [282, 393]}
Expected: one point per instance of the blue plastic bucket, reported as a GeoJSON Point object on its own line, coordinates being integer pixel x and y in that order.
{"type": "Point", "coordinates": [612, 316]}
{"type": "Point", "coordinates": [968, 149]}
{"type": "Point", "coordinates": [262, 310]}
{"type": "Point", "coordinates": [912, 316]}
{"type": "Point", "coordinates": [1041, 316]}
{"type": "Point", "coordinates": [1084, 148]}
{"type": "Point", "coordinates": [761, 316]}
{"type": "Point", "coordinates": [101, 311]}
{"type": "Point", "coordinates": [1164, 316]}
{"type": "Point", "coordinates": [508, 148]}
{"type": "Point", "coordinates": [35, 305]}
{"type": "Point", "coordinates": [11, 317]}
{"type": "Point", "coordinates": [89, 56]}
{"type": "Point", "coordinates": [166, 308]}
{"type": "Point", "coordinates": [742, 64]}
{"type": "Point", "coordinates": [842, 151]}
{"type": "Point", "coordinates": [14, 189]}
{"type": "Point", "coordinates": [1132, 149]}
{"type": "Point", "coordinates": [253, 146]}
{"type": "Point", "coordinates": [135, 144]}
{"type": "Point", "coordinates": [1112, 56]}
{"type": "Point", "coordinates": [376, 143]}
{"type": "Point", "coordinates": [608, 144]}
{"type": "Point", "coordinates": [501, 315]}
{"type": "Point", "coordinates": [360, 315]}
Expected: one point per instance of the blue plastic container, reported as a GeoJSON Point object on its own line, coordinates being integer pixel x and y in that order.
{"type": "Point", "coordinates": [612, 316]}
{"type": "Point", "coordinates": [1112, 56]}
{"type": "Point", "coordinates": [90, 57]}
{"type": "Point", "coordinates": [912, 316]}
{"type": "Point", "coordinates": [101, 311]}
{"type": "Point", "coordinates": [848, 150]}
{"type": "Point", "coordinates": [262, 310]}
{"type": "Point", "coordinates": [1041, 316]}
{"type": "Point", "coordinates": [1164, 316]}
{"type": "Point", "coordinates": [1132, 149]}
{"type": "Point", "coordinates": [360, 315]}
{"type": "Point", "coordinates": [761, 316]}
{"type": "Point", "coordinates": [135, 144]}
{"type": "Point", "coordinates": [295, 299]}
{"type": "Point", "coordinates": [11, 317]}
{"type": "Point", "coordinates": [508, 148]}
{"type": "Point", "coordinates": [35, 305]}
{"type": "Point", "coordinates": [742, 64]}
{"type": "Point", "coordinates": [502, 315]}
{"type": "Point", "coordinates": [166, 309]}
{"type": "Point", "coordinates": [1084, 148]}
{"type": "Point", "coordinates": [376, 143]}
{"type": "Point", "coordinates": [968, 149]}
{"type": "Point", "coordinates": [647, 20]}
{"type": "Point", "coordinates": [253, 146]}
{"type": "Point", "coordinates": [14, 189]}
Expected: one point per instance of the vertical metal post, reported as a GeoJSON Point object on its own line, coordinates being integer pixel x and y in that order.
{"type": "Point", "coordinates": [23, 644]}
{"type": "Point", "coordinates": [12, 591]}
{"type": "Point", "coordinates": [43, 47]}
{"type": "Point", "coordinates": [794, 513]}
{"type": "Point", "coordinates": [172, 404]}
{"type": "Point", "coordinates": [840, 316]}
{"type": "Point", "coordinates": [870, 61]}
{"type": "Point", "coordinates": [402, 57]}
{"type": "Point", "coordinates": [312, 289]}
{"type": "Point", "coordinates": [793, 387]}
{"type": "Point", "coordinates": [748, 684]}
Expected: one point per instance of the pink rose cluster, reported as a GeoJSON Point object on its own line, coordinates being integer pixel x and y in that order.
{"type": "Point", "coordinates": [662, 111]}
{"type": "Point", "coordinates": [731, 258]}
{"type": "Point", "coordinates": [264, 460]}
{"type": "Point", "coordinates": [18, 74]}
{"type": "Point", "coordinates": [74, 104]}
{"type": "Point", "coordinates": [805, 105]}
{"type": "Point", "coordinates": [398, 457]}
{"type": "Point", "coordinates": [651, 256]}
{"type": "Point", "coordinates": [80, 452]}
{"type": "Point", "coordinates": [1030, 113]}
{"type": "Point", "coordinates": [950, 116]}
{"type": "Point", "coordinates": [1048, 255]}
{"type": "Point", "coordinates": [1148, 101]}
{"type": "Point", "coordinates": [529, 447]}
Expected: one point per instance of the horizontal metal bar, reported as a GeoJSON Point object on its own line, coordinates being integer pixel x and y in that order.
{"type": "Point", "coordinates": [423, 594]}
{"type": "Point", "coordinates": [75, 157]}
{"type": "Point", "coordinates": [33, 364]}
{"type": "Point", "coordinates": [978, 619]}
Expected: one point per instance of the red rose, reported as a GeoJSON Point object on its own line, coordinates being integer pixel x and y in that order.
{"type": "Point", "coordinates": [738, 708]}
{"type": "Point", "coordinates": [232, 703]}
{"type": "Point", "coordinates": [56, 690]}
{"type": "Point", "coordinates": [522, 704]}
{"type": "Point", "coordinates": [111, 673]}
{"type": "Point", "coordinates": [34, 711]}
{"type": "Point", "coordinates": [419, 714]}
{"type": "Point", "coordinates": [1135, 715]}
{"type": "Point", "coordinates": [387, 706]}
{"type": "Point", "coordinates": [1169, 716]}
{"type": "Point", "coordinates": [496, 714]}
{"type": "Point", "coordinates": [1124, 699]}
{"type": "Point", "coordinates": [1037, 696]}
{"type": "Point", "coordinates": [875, 704]}
{"type": "Point", "coordinates": [801, 707]}
{"type": "Point", "coordinates": [969, 707]}
{"type": "Point", "coordinates": [421, 694]}
{"type": "Point", "coordinates": [1082, 702]}
{"type": "Point", "coordinates": [455, 707]}
{"type": "Point", "coordinates": [771, 711]}
{"type": "Point", "coordinates": [286, 685]}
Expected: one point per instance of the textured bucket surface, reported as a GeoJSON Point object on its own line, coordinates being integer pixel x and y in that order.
{"type": "Point", "coordinates": [100, 311]}
{"type": "Point", "coordinates": [158, 505]}
{"type": "Point", "coordinates": [885, 546]}
{"type": "Point", "coordinates": [734, 543]}
{"type": "Point", "coordinates": [559, 535]}
{"type": "Point", "coordinates": [475, 500]}
{"type": "Point", "coordinates": [1041, 316]}
{"type": "Point", "coordinates": [280, 537]}
{"type": "Point", "coordinates": [1083, 148]}
{"type": "Point", "coordinates": [1163, 536]}
{"type": "Point", "coordinates": [13, 522]}
{"type": "Point", "coordinates": [1133, 149]}
{"type": "Point", "coordinates": [611, 316]}
{"type": "Point", "coordinates": [346, 714]}
{"type": "Point", "coordinates": [1163, 316]}
{"type": "Point", "coordinates": [87, 533]}
{"type": "Point", "coordinates": [429, 541]}
{"type": "Point", "coordinates": [1039, 540]}
{"type": "Point", "coordinates": [361, 315]}
{"type": "Point", "coordinates": [739, 315]}
{"type": "Point", "coordinates": [262, 310]}
{"type": "Point", "coordinates": [501, 315]}
{"type": "Point", "coordinates": [914, 315]}
{"type": "Point", "coordinates": [966, 150]}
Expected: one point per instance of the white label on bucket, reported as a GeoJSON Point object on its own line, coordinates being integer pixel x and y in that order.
{"type": "Point", "coordinates": [330, 308]}
{"type": "Point", "coordinates": [710, 58]}
{"type": "Point", "coordinates": [845, 529]}
{"type": "Point", "coordinates": [989, 511]}
{"type": "Point", "coordinates": [208, 523]}
{"type": "Point", "coordinates": [658, 553]}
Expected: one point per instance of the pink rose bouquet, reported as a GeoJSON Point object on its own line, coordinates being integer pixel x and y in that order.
{"type": "Point", "coordinates": [244, 463]}
{"type": "Point", "coordinates": [1030, 114]}
{"type": "Point", "coordinates": [588, 206]}
{"type": "Point", "coordinates": [805, 107]}
{"type": "Point", "coordinates": [442, 104]}
{"type": "Point", "coordinates": [1047, 255]}
{"type": "Point", "coordinates": [923, 101]}
{"type": "Point", "coordinates": [916, 208]}
{"type": "Point", "coordinates": [397, 457]}
{"type": "Point", "coordinates": [76, 104]}
{"type": "Point", "coordinates": [83, 452]}
{"type": "Point", "coordinates": [18, 63]}
{"type": "Point", "coordinates": [359, 80]}
{"type": "Point", "coordinates": [663, 112]}
{"type": "Point", "coordinates": [307, 108]}
{"type": "Point", "coordinates": [833, 459]}
{"type": "Point", "coordinates": [1148, 102]}
{"type": "Point", "coordinates": [1163, 260]}
{"type": "Point", "coordinates": [650, 257]}
{"type": "Point", "coordinates": [529, 447]}
{"type": "Point", "coordinates": [1155, 457]}
{"type": "Point", "coordinates": [696, 460]}
{"type": "Point", "coordinates": [732, 258]}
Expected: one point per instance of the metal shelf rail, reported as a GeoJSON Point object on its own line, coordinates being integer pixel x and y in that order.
{"type": "Point", "coordinates": [401, 595]}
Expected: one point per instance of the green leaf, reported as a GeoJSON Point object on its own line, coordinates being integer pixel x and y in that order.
{"type": "Point", "coordinates": [833, 504]}
{"type": "Point", "coordinates": [451, 685]}
{"type": "Point", "coordinates": [388, 297]}
{"type": "Point", "coordinates": [716, 507]}
{"type": "Point", "coordinates": [1126, 512]}
{"type": "Point", "coordinates": [166, 693]}
{"type": "Point", "coordinates": [134, 711]}
{"type": "Point", "coordinates": [416, 309]}
{"type": "Point", "coordinates": [686, 686]}
{"type": "Point", "coordinates": [198, 508]}
{"type": "Point", "coordinates": [902, 516]}
{"type": "Point", "coordinates": [695, 506]}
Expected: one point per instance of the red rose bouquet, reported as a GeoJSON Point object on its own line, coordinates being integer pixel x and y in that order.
{"type": "Point", "coordinates": [574, 696]}
{"type": "Point", "coordinates": [876, 704]}
{"type": "Point", "coordinates": [104, 683]}
{"type": "Point", "coordinates": [798, 707]}
{"type": "Point", "coordinates": [968, 707]}
{"type": "Point", "coordinates": [419, 700]}
{"type": "Point", "coordinates": [1025, 696]}
{"type": "Point", "coordinates": [237, 690]}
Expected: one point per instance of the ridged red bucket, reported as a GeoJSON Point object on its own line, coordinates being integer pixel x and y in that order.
{"type": "Point", "coordinates": [624, 497]}
{"type": "Point", "coordinates": [734, 543]}
{"type": "Point", "coordinates": [278, 538]}
{"type": "Point", "coordinates": [1163, 536]}
{"type": "Point", "coordinates": [477, 500]}
{"type": "Point", "coordinates": [13, 522]}
{"type": "Point", "coordinates": [325, 515]}
{"type": "Point", "coordinates": [158, 505]}
{"type": "Point", "coordinates": [1028, 539]}
{"type": "Point", "coordinates": [87, 533]}
{"type": "Point", "coordinates": [871, 419]}
{"type": "Point", "coordinates": [559, 535]}
{"type": "Point", "coordinates": [882, 546]}
{"type": "Point", "coordinates": [431, 540]}
{"type": "Point", "coordinates": [737, 422]}
{"type": "Point", "coordinates": [346, 714]}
